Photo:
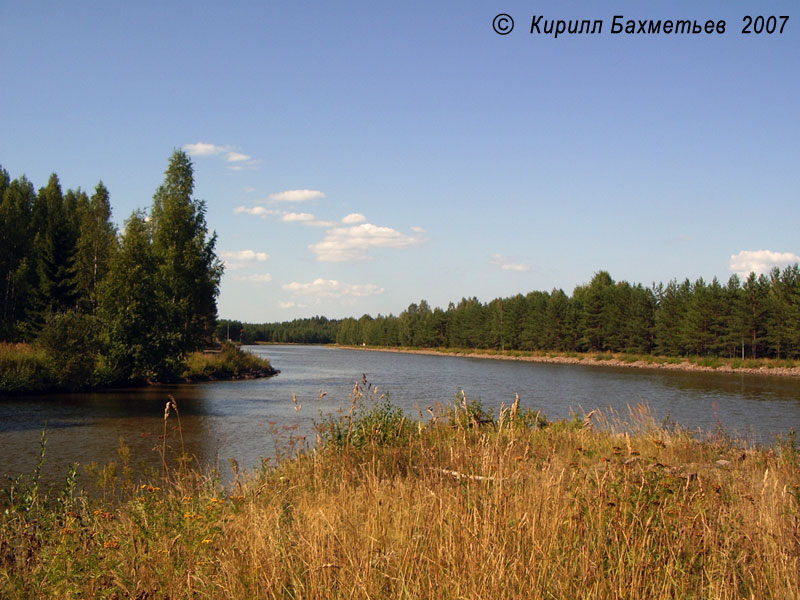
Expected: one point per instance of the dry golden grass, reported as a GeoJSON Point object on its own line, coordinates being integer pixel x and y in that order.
{"type": "Point", "coordinates": [594, 508]}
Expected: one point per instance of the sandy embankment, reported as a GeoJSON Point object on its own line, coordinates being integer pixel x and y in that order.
{"type": "Point", "coordinates": [594, 362]}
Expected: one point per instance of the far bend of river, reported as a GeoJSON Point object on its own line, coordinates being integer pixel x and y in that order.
{"type": "Point", "coordinates": [246, 419]}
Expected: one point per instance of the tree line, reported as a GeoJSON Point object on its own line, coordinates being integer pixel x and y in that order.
{"type": "Point", "coordinates": [107, 305]}
{"type": "Point", "coordinates": [755, 317]}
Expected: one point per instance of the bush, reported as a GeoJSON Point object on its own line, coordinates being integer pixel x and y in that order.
{"type": "Point", "coordinates": [372, 421]}
{"type": "Point", "coordinates": [72, 343]}
{"type": "Point", "coordinates": [231, 361]}
{"type": "Point", "coordinates": [467, 413]}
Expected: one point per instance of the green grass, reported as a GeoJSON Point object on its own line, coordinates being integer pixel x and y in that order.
{"type": "Point", "coordinates": [230, 362]}
{"type": "Point", "coordinates": [24, 368]}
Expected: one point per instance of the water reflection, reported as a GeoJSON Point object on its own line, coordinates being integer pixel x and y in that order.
{"type": "Point", "coordinates": [248, 420]}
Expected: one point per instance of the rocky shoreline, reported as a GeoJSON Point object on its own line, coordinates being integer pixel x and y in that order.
{"type": "Point", "coordinates": [595, 362]}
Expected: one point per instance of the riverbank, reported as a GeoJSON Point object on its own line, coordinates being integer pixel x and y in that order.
{"type": "Point", "coordinates": [25, 369]}
{"type": "Point", "coordinates": [784, 368]}
{"type": "Point", "coordinates": [462, 506]}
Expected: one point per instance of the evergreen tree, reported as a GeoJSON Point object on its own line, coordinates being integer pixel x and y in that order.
{"type": "Point", "coordinates": [670, 310]}
{"type": "Point", "coordinates": [555, 334]}
{"type": "Point", "coordinates": [141, 344]}
{"type": "Point", "coordinates": [189, 270]}
{"type": "Point", "coordinates": [96, 244]}
{"type": "Point", "coordinates": [16, 265]}
{"type": "Point", "coordinates": [53, 252]}
{"type": "Point", "coordinates": [753, 310]}
{"type": "Point", "coordinates": [639, 325]}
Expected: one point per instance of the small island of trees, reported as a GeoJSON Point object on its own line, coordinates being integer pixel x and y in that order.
{"type": "Point", "coordinates": [83, 305]}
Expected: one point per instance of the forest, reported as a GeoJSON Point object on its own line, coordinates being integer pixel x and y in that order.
{"type": "Point", "coordinates": [105, 306]}
{"type": "Point", "coordinates": [753, 318]}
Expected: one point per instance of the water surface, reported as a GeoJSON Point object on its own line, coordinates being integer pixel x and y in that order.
{"type": "Point", "coordinates": [249, 420]}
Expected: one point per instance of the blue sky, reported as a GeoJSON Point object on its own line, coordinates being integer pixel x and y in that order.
{"type": "Point", "coordinates": [358, 156]}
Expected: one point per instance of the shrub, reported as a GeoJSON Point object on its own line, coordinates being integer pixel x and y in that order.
{"type": "Point", "coordinates": [372, 421]}
{"type": "Point", "coordinates": [72, 343]}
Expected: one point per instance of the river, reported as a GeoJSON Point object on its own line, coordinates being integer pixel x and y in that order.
{"type": "Point", "coordinates": [256, 419]}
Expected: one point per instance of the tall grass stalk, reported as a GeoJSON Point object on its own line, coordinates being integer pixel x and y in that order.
{"type": "Point", "coordinates": [600, 506]}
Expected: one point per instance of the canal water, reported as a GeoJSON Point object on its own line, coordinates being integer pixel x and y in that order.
{"type": "Point", "coordinates": [256, 420]}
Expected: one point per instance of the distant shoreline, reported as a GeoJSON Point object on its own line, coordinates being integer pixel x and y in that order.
{"type": "Point", "coordinates": [656, 362]}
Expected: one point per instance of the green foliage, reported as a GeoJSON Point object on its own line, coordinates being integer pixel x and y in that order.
{"type": "Point", "coordinates": [464, 413]}
{"type": "Point", "coordinates": [95, 247]}
{"type": "Point", "coordinates": [105, 309]}
{"type": "Point", "coordinates": [189, 271]}
{"type": "Point", "coordinates": [231, 361]}
{"type": "Point", "coordinates": [24, 368]}
{"type": "Point", "coordinates": [140, 341]}
{"type": "Point", "coordinates": [759, 317]}
{"type": "Point", "coordinates": [372, 421]}
{"type": "Point", "coordinates": [74, 348]}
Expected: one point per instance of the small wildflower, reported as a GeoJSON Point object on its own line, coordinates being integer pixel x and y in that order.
{"type": "Point", "coordinates": [206, 541]}
{"type": "Point", "coordinates": [112, 544]}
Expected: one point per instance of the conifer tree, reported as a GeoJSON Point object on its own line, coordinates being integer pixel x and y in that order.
{"type": "Point", "coordinates": [189, 270]}
{"type": "Point", "coordinates": [96, 243]}
{"type": "Point", "coordinates": [16, 271]}
{"type": "Point", "coordinates": [140, 342]}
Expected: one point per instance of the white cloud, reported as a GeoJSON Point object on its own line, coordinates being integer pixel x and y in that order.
{"type": "Point", "coordinates": [256, 211]}
{"type": "Point", "coordinates": [204, 149]}
{"type": "Point", "coordinates": [259, 278]}
{"type": "Point", "coordinates": [760, 261]}
{"type": "Point", "coordinates": [353, 243]}
{"type": "Point", "coordinates": [506, 264]}
{"type": "Point", "coordinates": [418, 229]}
{"type": "Point", "coordinates": [237, 259]}
{"type": "Point", "coordinates": [249, 190]}
{"type": "Point", "coordinates": [353, 218]}
{"type": "Point", "coordinates": [243, 161]}
{"type": "Point", "coordinates": [331, 288]}
{"type": "Point", "coordinates": [251, 165]}
{"type": "Point", "coordinates": [296, 196]}
{"type": "Point", "coordinates": [297, 217]}
{"type": "Point", "coordinates": [292, 305]}
{"type": "Point", "coordinates": [250, 255]}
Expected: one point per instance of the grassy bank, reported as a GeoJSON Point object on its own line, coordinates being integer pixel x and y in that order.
{"type": "Point", "coordinates": [230, 362]}
{"type": "Point", "coordinates": [465, 505]}
{"type": "Point", "coordinates": [758, 366]}
{"type": "Point", "coordinates": [26, 368]}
